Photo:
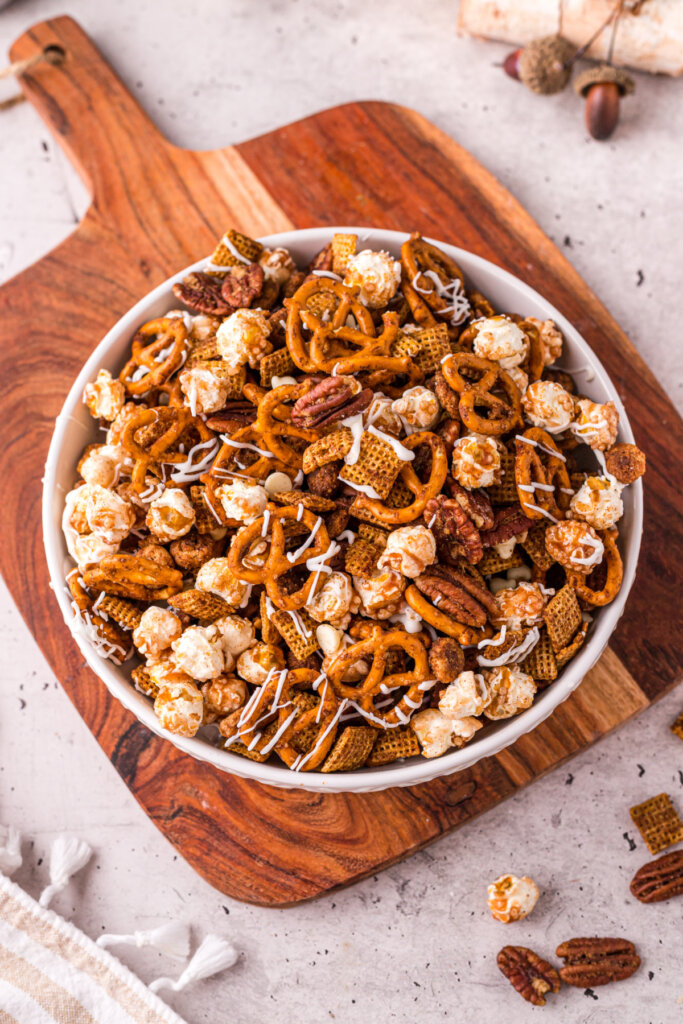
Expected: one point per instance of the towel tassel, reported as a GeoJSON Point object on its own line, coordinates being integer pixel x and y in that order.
{"type": "Point", "coordinates": [213, 955]}
{"type": "Point", "coordinates": [10, 850]}
{"type": "Point", "coordinates": [173, 939]}
{"type": "Point", "coordinates": [67, 856]}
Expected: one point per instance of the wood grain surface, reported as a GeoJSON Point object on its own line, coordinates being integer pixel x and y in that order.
{"type": "Point", "coordinates": [156, 208]}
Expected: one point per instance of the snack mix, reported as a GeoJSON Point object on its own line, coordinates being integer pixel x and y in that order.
{"type": "Point", "coordinates": [343, 515]}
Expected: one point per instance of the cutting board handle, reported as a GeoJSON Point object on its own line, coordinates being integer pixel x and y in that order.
{"type": "Point", "coordinates": [102, 128]}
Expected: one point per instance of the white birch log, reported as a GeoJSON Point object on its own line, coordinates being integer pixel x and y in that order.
{"type": "Point", "coordinates": [649, 41]}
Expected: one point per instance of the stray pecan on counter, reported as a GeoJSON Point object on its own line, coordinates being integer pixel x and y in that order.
{"type": "Point", "coordinates": [659, 879]}
{"type": "Point", "coordinates": [528, 973]}
{"type": "Point", "coordinates": [591, 962]}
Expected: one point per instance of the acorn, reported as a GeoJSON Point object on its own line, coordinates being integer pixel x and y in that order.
{"type": "Point", "coordinates": [511, 63]}
{"type": "Point", "coordinates": [544, 66]}
{"type": "Point", "coordinates": [602, 87]}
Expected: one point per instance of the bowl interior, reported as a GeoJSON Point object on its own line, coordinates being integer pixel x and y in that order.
{"type": "Point", "coordinates": [75, 428]}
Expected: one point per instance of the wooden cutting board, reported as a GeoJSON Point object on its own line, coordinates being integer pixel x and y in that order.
{"type": "Point", "coordinates": [155, 209]}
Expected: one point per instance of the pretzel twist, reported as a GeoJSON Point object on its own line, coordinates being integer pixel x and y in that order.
{"type": "Point", "coordinates": [536, 466]}
{"type": "Point", "coordinates": [163, 450]}
{"type": "Point", "coordinates": [377, 683]}
{"type": "Point", "coordinates": [615, 574]}
{"type": "Point", "coordinates": [423, 492]}
{"type": "Point", "coordinates": [278, 562]}
{"type": "Point", "coordinates": [322, 715]}
{"type": "Point", "coordinates": [504, 414]}
{"type": "Point", "coordinates": [417, 256]}
{"type": "Point", "coordinates": [167, 332]}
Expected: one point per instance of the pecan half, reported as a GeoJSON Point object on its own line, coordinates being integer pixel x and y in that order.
{"type": "Point", "coordinates": [241, 285]}
{"type": "Point", "coordinates": [333, 399]}
{"type": "Point", "coordinates": [449, 400]}
{"type": "Point", "coordinates": [202, 294]}
{"type": "Point", "coordinates": [324, 480]}
{"type": "Point", "coordinates": [591, 962]}
{"type": "Point", "coordinates": [322, 260]}
{"type": "Point", "coordinates": [508, 522]}
{"type": "Point", "coordinates": [455, 533]}
{"type": "Point", "coordinates": [475, 503]}
{"type": "Point", "coordinates": [528, 973]}
{"type": "Point", "coordinates": [454, 593]}
{"type": "Point", "coordinates": [659, 879]}
{"type": "Point", "coordinates": [231, 417]}
{"type": "Point", "coordinates": [446, 659]}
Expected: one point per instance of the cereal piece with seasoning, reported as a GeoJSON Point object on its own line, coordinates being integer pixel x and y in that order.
{"type": "Point", "coordinates": [477, 461]}
{"type": "Point", "coordinates": [104, 397]}
{"type": "Point", "coordinates": [575, 545]}
{"type": "Point", "coordinates": [511, 898]}
{"type": "Point", "coordinates": [598, 502]}
{"type": "Point", "coordinates": [547, 404]}
{"type": "Point", "coordinates": [596, 424]}
{"type": "Point", "coordinates": [409, 550]}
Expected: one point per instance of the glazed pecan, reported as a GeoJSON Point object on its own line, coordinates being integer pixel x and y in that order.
{"type": "Point", "coordinates": [202, 294]}
{"type": "Point", "coordinates": [508, 522]}
{"type": "Point", "coordinates": [449, 431]}
{"type": "Point", "coordinates": [336, 522]}
{"type": "Point", "coordinates": [231, 417]}
{"type": "Point", "coordinates": [475, 503]}
{"type": "Point", "coordinates": [448, 398]}
{"type": "Point", "coordinates": [626, 462]}
{"type": "Point", "coordinates": [659, 879]}
{"type": "Point", "coordinates": [156, 553]}
{"type": "Point", "coordinates": [333, 399]}
{"type": "Point", "coordinates": [455, 533]}
{"type": "Point", "coordinates": [446, 659]}
{"type": "Point", "coordinates": [322, 260]}
{"type": "Point", "coordinates": [241, 285]}
{"type": "Point", "coordinates": [324, 480]}
{"type": "Point", "coordinates": [591, 962]}
{"type": "Point", "coordinates": [294, 283]}
{"type": "Point", "coordinates": [528, 973]}
{"type": "Point", "coordinates": [191, 551]}
{"type": "Point", "coordinates": [456, 594]}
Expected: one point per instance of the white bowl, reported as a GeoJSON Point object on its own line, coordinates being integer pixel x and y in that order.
{"type": "Point", "coordinates": [74, 429]}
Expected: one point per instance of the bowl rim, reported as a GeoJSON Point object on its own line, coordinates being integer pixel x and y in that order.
{"type": "Point", "coordinates": [412, 772]}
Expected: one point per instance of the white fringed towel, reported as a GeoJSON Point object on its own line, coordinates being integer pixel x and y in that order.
{"type": "Point", "coordinates": [51, 973]}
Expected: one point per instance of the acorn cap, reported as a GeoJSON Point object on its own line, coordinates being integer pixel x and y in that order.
{"type": "Point", "coordinates": [604, 73]}
{"type": "Point", "coordinates": [543, 64]}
